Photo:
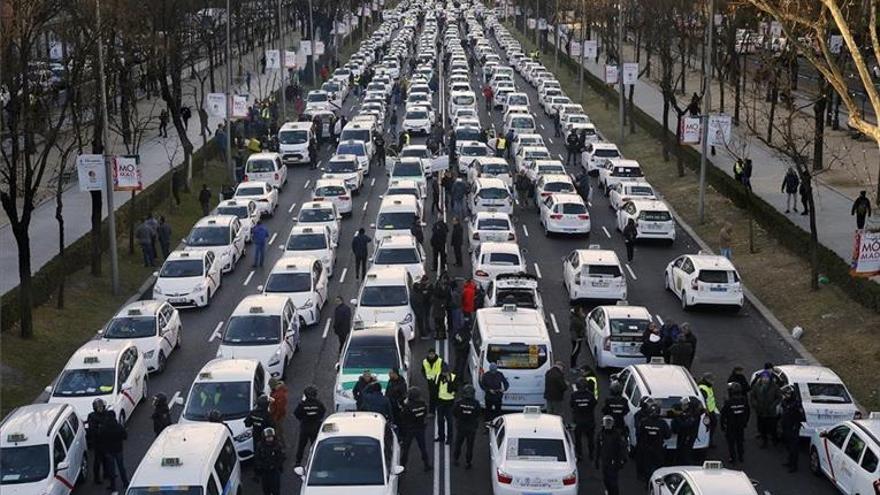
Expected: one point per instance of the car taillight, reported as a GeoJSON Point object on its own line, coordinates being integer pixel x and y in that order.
{"type": "Point", "coordinates": [877, 487]}
{"type": "Point", "coordinates": [555, 217]}
{"type": "Point", "coordinates": [476, 236]}
{"type": "Point", "coordinates": [503, 477]}
{"type": "Point", "coordinates": [606, 343]}
{"type": "Point", "coordinates": [570, 479]}
{"type": "Point", "coordinates": [545, 194]}
{"type": "Point", "coordinates": [511, 236]}
{"type": "Point", "coordinates": [584, 217]}
{"type": "Point", "coordinates": [695, 285]}
{"type": "Point", "coordinates": [344, 198]}
{"type": "Point", "coordinates": [577, 279]}
{"type": "Point", "coordinates": [481, 273]}
{"type": "Point", "coordinates": [318, 198]}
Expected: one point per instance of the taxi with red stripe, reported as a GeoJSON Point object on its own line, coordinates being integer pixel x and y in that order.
{"type": "Point", "coordinates": [154, 326]}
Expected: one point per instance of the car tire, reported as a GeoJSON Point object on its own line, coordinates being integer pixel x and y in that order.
{"type": "Point", "coordinates": [83, 470]}
{"type": "Point", "coordinates": [666, 281]}
{"type": "Point", "coordinates": [177, 344]}
{"type": "Point", "coordinates": [210, 298]}
{"type": "Point", "coordinates": [162, 362]}
{"type": "Point", "coordinates": [302, 325]}
{"type": "Point", "coordinates": [122, 418]}
{"type": "Point", "coordinates": [815, 464]}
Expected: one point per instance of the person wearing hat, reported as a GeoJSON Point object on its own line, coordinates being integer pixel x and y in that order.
{"type": "Point", "coordinates": [583, 406]}
{"type": "Point", "coordinates": [372, 400]}
{"type": "Point", "coordinates": [467, 419]}
{"type": "Point", "coordinates": [790, 423]}
{"type": "Point", "coordinates": [651, 434]}
{"type": "Point", "coordinates": [431, 367]}
{"type": "Point", "coordinates": [161, 413]}
{"type": "Point", "coordinates": [445, 400]}
{"type": "Point", "coordinates": [494, 384]}
{"type": "Point", "coordinates": [269, 462]}
{"type": "Point", "coordinates": [686, 426]}
{"type": "Point", "coordinates": [412, 426]}
{"type": "Point", "coordinates": [616, 405]}
{"type": "Point", "coordinates": [278, 407]}
{"type": "Point", "coordinates": [310, 412]}
{"type": "Point", "coordinates": [259, 419]}
{"type": "Point", "coordinates": [555, 387]}
{"type": "Point", "coordinates": [734, 419]}
{"type": "Point", "coordinates": [612, 454]}
{"type": "Point", "coordinates": [708, 393]}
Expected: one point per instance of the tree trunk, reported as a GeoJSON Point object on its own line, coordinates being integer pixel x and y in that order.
{"type": "Point", "coordinates": [679, 160]}
{"type": "Point", "coordinates": [632, 122]}
{"type": "Point", "coordinates": [59, 217]}
{"type": "Point", "coordinates": [665, 138]}
{"type": "Point", "coordinates": [737, 95]}
{"type": "Point", "coordinates": [774, 97]}
{"type": "Point", "coordinates": [814, 241]}
{"type": "Point", "coordinates": [25, 288]}
{"type": "Point", "coordinates": [819, 128]}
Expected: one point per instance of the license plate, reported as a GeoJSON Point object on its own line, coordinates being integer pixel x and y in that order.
{"type": "Point", "coordinates": [718, 289]}
{"type": "Point", "coordinates": [536, 493]}
{"type": "Point", "coordinates": [492, 209]}
{"type": "Point", "coordinates": [515, 397]}
{"type": "Point", "coordinates": [177, 300]}
{"type": "Point", "coordinates": [599, 284]}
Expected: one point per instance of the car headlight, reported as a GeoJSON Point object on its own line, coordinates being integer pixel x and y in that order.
{"type": "Point", "coordinates": [199, 286]}
{"type": "Point", "coordinates": [157, 289]}
{"type": "Point", "coordinates": [244, 436]}
{"type": "Point", "coordinates": [149, 354]}
{"type": "Point", "coordinates": [276, 358]}
{"type": "Point", "coordinates": [348, 394]}
{"type": "Point", "coordinates": [307, 305]}
{"type": "Point", "coordinates": [407, 319]}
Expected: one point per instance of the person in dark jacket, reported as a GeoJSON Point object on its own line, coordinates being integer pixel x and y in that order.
{"type": "Point", "coordinates": [612, 446]}
{"type": "Point", "coordinates": [681, 352]}
{"type": "Point", "coordinates": [205, 200]}
{"type": "Point", "coordinates": [112, 437]}
{"type": "Point", "coordinates": [651, 434]}
{"type": "Point", "coordinates": [310, 413]}
{"type": "Point", "coordinates": [341, 321]}
{"type": "Point", "coordinates": [629, 238]}
{"type": "Point", "coordinates": [652, 342]}
{"type": "Point", "coordinates": [161, 413]}
{"type": "Point", "coordinates": [438, 244]}
{"type": "Point", "coordinates": [790, 185]}
{"type": "Point", "coordinates": [164, 233]}
{"type": "Point", "coordinates": [359, 248]}
{"type": "Point", "coordinates": [259, 419]}
{"type": "Point", "coordinates": [395, 391]}
{"type": "Point", "coordinates": [686, 424]}
{"type": "Point", "coordinates": [571, 145]}
{"type": "Point", "coordinates": [457, 239]}
{"type": "Point", "coordinates": [372, 400]}
{"type": "Point", "coordinates": [555, 387]}
{"type": "Point", "coordinates": [764, 399]}
{"type": "Point", "coordinates": [734, 418]}
{"type": "Point", "coordinates": [691, 339]}
{"type": "Point", "coordinates": [861, 208]}
{"type": "Point", "coordinates": [466, 412]}
{"type": "Point", "coordinates": [737, 376]}
{"type": "Point", "coordinates": [416, 230]}
{"type": "Point", "coordinates": [494, 384]}
{"type": "Point", "coordinates": [412, 426]}
{"type": "Point", "coordinates": [420, 298]}
{"type": "Point", "coordinates": [461, 340]}
{"type": "Point", "coordinates": [94, 426]}
{"type": "Point", "coordinates": [360, 386]}
{"type": "Point", "coordinates": [583, 409]}
{"type": "Point", "coordinates": [439, 305]}
{"type": "Point", "coordinates": [616, 406]}
{"type": "Point", "coordinates": [790, 423]}
{"type": "Point", "coordinates": [269, 463]}
{"type": "Point", "coordinates": [379, 143]}
{"type": "Point", "coordinates": [577, 331]}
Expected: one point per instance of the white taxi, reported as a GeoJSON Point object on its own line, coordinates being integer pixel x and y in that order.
{"type": "Point", "coordinates": [532, 452]}
{"type": "Point", "coordinates": [222, 234]}
{"type": "Point", "coordinates": [491, 259]}
{"type": "Point", "coordinates": [358, 149]}
{"type": "Point", "coordinates": [354, 453]}
{"type": "Point", "coordinates": [396, 215]}
{"type": "Point", "coordinates": [522, 287]}
{"type": "Point", "coordinates": [593, 273]}
{"type": "Point", "coordinates": [564, 214]}
{"type": "Point", "coordinates": [549, 184]}
{"type": "Point", "coordinates": [385, 296]}
{"type": "Point", "coordinates": [304, 280]}
{"type": "Point", "coordinates": [847, 454]}
{"type": "Point", "coordinates": [419, 151]}
{"type": "Point", "coordinates": [491, 195]}
{"type": "Point", "coordinates": [400, 250]}
{"type": "Point", "coordinates": [417, 119]}
{"type": "Point", "coordinates": [489, 226]}
{"type": "Point", "coordinates": [346, 169]}
{"type": "Point", "coordinates": [408, 168]}
{"type": "Point", "coordinates": [110, 370]}
{"type": "Point", "coordinates": [245, 209]}
{"type": "Point", "coordinates": [43, 447]}
{"type": "Point", "coordinates": [624, 191]}
{"type": "Point", "coordinates": [266, 167]}
{"type": "Point", "coordinates": [188, 279]}
{"type": "Point", "coordinates": [537, 168]}
{"type": "Point", "coordinates": [595, 154]}
{"type": "Point", "coordinates": [709, 479]}
{"type": "Point", "coordinates": [616, 170]}
{"type": "Point", "coordinates": [468, 151]}
{"type": "Point", "coordinates": [525, 155]}
{"type": "Point", "coordinates": [491, 166]}
{"type": "Point", "coordinates": [153, 326]}
{"type": "Point", "coordinates": [652, 217]}
{"type": "Point", "coordinates": [335, 191]}
{"type": "Point", "coordinates": [407, 188]}
{"type": "Point", "coordinates": [314, 242]}
{"type": "Point", "coordinates": [320, 214]}
{"type": "Point", "coordinates": [376, 347]}
{"type": "Point", "coordinates": [614, 335]}
{"type": "Point", "coordinates": [261, 193]}
{"type": "Point", "coordinates": [230, 387]}
{"type": "Point", "coordinates": [704, 279]}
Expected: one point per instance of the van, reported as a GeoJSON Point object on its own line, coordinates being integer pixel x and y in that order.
{"type": "Point", "coordinates": [519, 123]}
{"type": "Point", "coordinates": [517, 342]}
{"type": "Point", "coordinates": [293, 142]}
{"type": "Point", "coordinates": [266, 167]}
{"type": "Point", "coordinates": [188, 459]}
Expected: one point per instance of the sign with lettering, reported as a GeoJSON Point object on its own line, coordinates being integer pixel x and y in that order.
{"type": "Point", "coordinates": [611, 74]}
{"type": "Point", "coordinates": [90, 172]}
{"type": "Point", "coordinates": [691, 130]}
{"type": "Point", "coordinates": [127, 173]}
{"type": "Point", "coordinates": [866, 254]}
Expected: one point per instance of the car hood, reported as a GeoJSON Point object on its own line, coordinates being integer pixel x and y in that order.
{"type": "Point", "coordinates": [35, 488]}
{"type": "Point", "coordinates": [81, 405]}
{"type": "Point", "coordinates": [179, 284]}
{"type": "Point", "coordinates": [385, 313]}
{"type": "Point", "coordinates": [261, 353]}
{"type": "Point", "coordinates": [336, 490]}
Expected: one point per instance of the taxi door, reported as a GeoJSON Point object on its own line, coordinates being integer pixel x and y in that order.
{"type": "Point", "coordinates": [132, 382]}
{"type": "Point", "coordinates": [290, 324]}
{"type": "Point", "coordinates": [849, 470]}
{"type": "Point", "coordinates": [164, 333]}
{"type": "Point", "coordinates": [319, 284]}
{"type": "Point", "coordinates": [237, 234]}
{"type": "Point", "coordinates": [677, 275]}
{"type": "Point", "coordinates": [212, 271]}
{"type": "Point", "coordinates": [171, 331]}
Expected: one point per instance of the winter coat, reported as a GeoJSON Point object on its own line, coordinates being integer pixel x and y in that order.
{"type": "Point", "coordinates": [765, 398]}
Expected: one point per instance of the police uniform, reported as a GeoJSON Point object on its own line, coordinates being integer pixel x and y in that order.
{"type": "Point", "coordinates": [445, 400]}
{"type": "Point", "coordinates": [310, 413]}
{"type": "Point", "coordinates": [412, 427]}
{"type": "Point", "coordinates": [617, 407]}
{"type": "Point", "coordinates": [431, 371]}
{"type": "Point", "coordinates": [467, 416]}
{"type": "Point", "coordinates": [734, 419]}
{"type": "Point", "coordinates": [652, 432]}
{"type": "Point", "coordinates": [583, 405]}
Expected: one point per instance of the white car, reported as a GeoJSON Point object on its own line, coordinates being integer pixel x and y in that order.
{"type": "Point", "coordinates": [525, 155]}
{"type": "Point", "coordinates": [595, 154]}
{"type": "Point", "coordinates": [614, 335]}
{"type": "Point", "coordinates": [538, 168]}
{"type": "Point", "coordinates": [487, 226]}
{"type": "Point", "coordinates": [419, 151]}
{"type": "Point", "coordinates": [261, 193]}
{"type": "Point", "coordinates": [489, 167]}
{"type": "Point", "coordinates": [358, 149]}
{"type": "Point", "coordinates": [345, 168]}
{"type": "Point", "coordinates": [354, 453]}
{"type": "Point", "coordinates": [622, 192]}
{"type": "Point", "coordinates": [490, 259]}
{"type": "Point", "coordinates": [593, 274]}
{"type": "Point", "coordinates": [522, 287]}
{"type": "Point", "coordinates": [315, 242]}
{"type": "Point", "coordinates": [616, 170]}
{"type": "Point", "coordinates": [652, 217]}
{"type": "Point", "coordinates": [264, 327]}
{"type": "Point", "coordinates": [153, 326]}
{"type": "Point", "coordinates": [400, 250]}
{"type": "Point", "coordinates": [188, 278]}
{"type": "Point", "coordinates": [409, 168]}
{"type": "Point", "coordinates": [532, 452]}
{"type": "Point", "coordinates": [374, 346]}
{"type": "Point", "coordinates": [847, 454]}
{"type": "Point", "coordinates": [318, 100]}
{"type": "Point", "coordinates": [491, 195]}
{"type": "Point", "coordinates": [564, 214]}
{"type": "Point", "coordinates": [704, 279]}
{"type": "Point", "coordinates": [468, 151]}
{"type": "Point", "coordinates": [336, 191]}
{"type": "Point", "coordinates": [222, 234]}
{"type": "Point", "coordinates": [304, 280]}
{"type": "Point", "coordinates": [549, 184]}
{"type": "Point", "coordinates": [525, 140]}
{"type": "Point", "coordinates": [397, 213]}
{"type": "Point", "coordinates": [266, 167]}
{"type": "Point", "coordinates": [711, 477]}
{"type": "Point", "coordinates": [245, 209]}
{"type": "Point", "coordinates": [407, 187]}
{"type": "Point", "coordinates": [111, 370]}
{"type": "Point", "coordinates": [385, 296]}
{"type": "Point", "coordinates": [319, 214]}
{"type": "Point", "coordinates": [418, 119]}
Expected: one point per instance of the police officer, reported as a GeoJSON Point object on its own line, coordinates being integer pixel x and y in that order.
{"type": "Point", "coordinates": [616, 406]}
{"type": "Point", "coordinates": [161, 413]}
{"type": "Point", "coordinates": [612, 454]}
{"type": "Point", "coordinates": [686, 424]}
{"type": "Point", "coordinates": [412, 426]}
{"type": "Point", "coordinates": [259, 419]}
{"type": "Point", "coordinates": [708, 393]}
{"type": "Point", "coordinates": [95, 423]}
{"type": "Point", "coordinates": [583, 406]}
{"type": "Point", "coordinates": [310, 412]}
{"type": "Point", "coordinates": [269, 462]}
{"type": "Point", "coordinates": [734, 419]}
{"type": "Point", "coordinates": [431, 367]}
{"type": "Point", "coordinates": [790, 423]}
{"type": "Point", "coordinates": [467, 419]}
{"type": "Point", "coordinates": [651, 434]}
{"type": "Point", "coordinates": [494, 384]}
{"type": "Point", "coordinates": [445, 400]}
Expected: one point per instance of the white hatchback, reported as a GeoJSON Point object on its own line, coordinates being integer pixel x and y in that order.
{"type": "Point", "coordinates": [222, 234]}
{"type": "Point", "coordinates": [564, 214]}
{"type": "Point", "coordinates": [335, 191]}
{"type": "Point", "coordinates": [385, 296]}
{"type": "Point", "coordinates": [614, 335]}
{"type": "Point", "coordinates": [154, 327]}
{"type": "Point", "coordinates": [491, 195]}
{"type": "Point", "coordinates": [652, 218]}
{"type": "Point", "coordinates": [487, 226]}
{"type": "Point", "coordinates": [304, 280]}
{"type": "Point", "coordinates": [319, 214]}
{"type": "Point", "coordinates": [704, 279]}
{"type": "Point", "coordinates": [400, 250]}
{"type": "Point", "coordinates": [262, 193]}
{"type": "Point", "coordinates": [188, 278]}
{"type": "Point", "coordinates": [490, 259]}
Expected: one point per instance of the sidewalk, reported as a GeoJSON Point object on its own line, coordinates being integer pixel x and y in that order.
{"type": "Point", "coordinates": [155, 153]}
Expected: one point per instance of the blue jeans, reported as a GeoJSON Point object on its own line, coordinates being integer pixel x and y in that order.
{"type": "Point", "coordinates": [113, 465]}
{"type": "Point", "coordinates": [259, 254]}
{"type": "Point", "coordinates": [727, 252]}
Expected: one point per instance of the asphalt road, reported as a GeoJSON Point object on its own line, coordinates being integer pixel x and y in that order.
{"type": "Point", "coordinates": [725, 339]}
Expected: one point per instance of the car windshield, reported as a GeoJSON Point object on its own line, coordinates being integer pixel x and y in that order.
{"type": "Point", "coordinates": [341, 166]}
{"type": "Point", "coordinates": [522, 123]}
{"type": "Point", "coordinates": [416, 153]}
{"type": "Point", "coordinates": [311, 215]}
{"type": "Point", "coordinates": [475, 151]}
{"type": "Point", "coordinates": [574, 209]}
{"type": "Point", "coordinates": [289, 282]}
{"type": "Point", "coordinates": [655, 216]}
{"type": "Point", "coordinates": [24, 464]}
{"type": "Point", "coordinates": [258, 166]}
{"type": "Point", "coordinates": [377, 296]}
{"type": "Point", "coordinates": [408, 169]}
{"type": "Point", "coordinates": [417, 115]}
{"type": "Point", "coordinates": [306, 242]}
{"type": "Point", "coordinates": [231, 399]}
{"type": "Point", "coordinates": [517, 100]}
{"type": "Point", "coordinates": [537, 155]}
{"type": "Point", "coordinates": [502, 259]}
{"type": "Point", "coordinates": [493, 224]}
{"type": "Point", "coordinates": [370, 356]}
{"type": "Point", "coordinates": [523, 298]}
{"type": "Point", "coordinates": [208, 236]}
{"type": "Point", "coordinates": [317, 97]}
{"type": "Point", "coordinates": [164, 490]}
{"type": "Point", "coordinates": [355, 135]}
{"type": "Point", "coordinates": [627, 172]}
{"type": "Point", "coordinates": [620, 326]}
{"type": "Point", "coordinates": [409, 191]}
{"type": "Point", "coordinates": [85, 382]}
{"type": "Point", "coordinates": [550, 169]}
{"type": "Point", "coordinates": [493, 193]}
{"type": "Point", "coordinates": [399, 220]}
{"type": "Point", "coordinates": [357, 149]}
{"type": "Point", "coordinates": [250, 191]}
{"type": "Point", "coordinates": [293, 137]}
{"type": "Point", "coordinates": [347, 461]}
{"type": "Point", "coordinates": [517, 356]}
{"type": "Point", "coordinates": [536, 449]}
{"type": "Point", "coordinates": [495, 169]}
{"type": "Point", "coordinates": [578, 119]}
{"type": "Point", "coordinates": [397, 256]}
{"type": "Point", "coordinates": [331, 191]}
{"type": "Point", "coordinates": [558, 187]}
{"type": "Point", "coordinates": [828, 393]}
{"type": "Point", "coordinates": [130, 327]}
{"type": "Point", "coordinates": [606, 153]}
{"type": "Point", "coordinates": [182, 268]}
{"type": "Point", "coordinates": [253, 330]}
{"type": "Point", "coordinates": [239, 211]}
{"type": "Point", "coordinates": [640, 191]}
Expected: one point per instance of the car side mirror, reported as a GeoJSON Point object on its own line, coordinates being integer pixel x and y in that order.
{"type": "Point", "coordinates": [353, 302]}
{"type": "Point", "coordinates": [260, 288]}
{"type": "Point", "coordinates": [337, 366]}
{"type": "Point", "coordinates": [64, 466]}
{"type": "Point", "coordinates": [823, 434]}
{"type": "Point", "coordinates": [48, 389]}
{"type": "Point", "coordinates": [155, 274]}
{"type": "Point", "coordinates": [300, 471]}
{"type": "Point", "coordinates": [397, 470]}
{"type": "Point", "coordinates": [372, 225]}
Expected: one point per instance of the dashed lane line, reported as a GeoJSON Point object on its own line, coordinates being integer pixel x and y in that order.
{"type": "Point", "coordinates": [326, 328]}
{"type": "Point", "coordinates": [290, 210]}
{"type": "Point", "coordinates": [537, 270]}
{"type": "Point", "coordinates": [659, 320]}
{"type": "Point", "coordinates": [365, 205]}
{"type": "Point", "coordinates": [608, 234]}
{"type": "Point", "coordinates": [525, 230]}
{"type": "Point", "coordinates": [248, 279]}
{"type": "Point", "coordinates": [306, 185]}
{"type": "Point", "coordinates": [553, 320]}
{"type": "Point", "coordinates": [272, 239]}
{"type": "Point", "coordinates": [631, 272]}
{"type": "Point", "coordinates": [214, 332]}
{"type": "Point", "coordinates": [342, 277]}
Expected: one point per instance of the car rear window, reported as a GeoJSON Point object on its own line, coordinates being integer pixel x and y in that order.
{"type": "Point", "coordinates": [517, 356]}
{"type": "Point", "coordinates": [655, 216]}
{"type": "Point", "coordinates": [536, 449]}
{"type": "Point", "coordinates": [574, 209]}
{"type": "Point", "coordinates": [714, 276]}
{"type": "Point", "coordinates": [603, 271]}
{"type": "Point", "coordinates": [627, 171]}
{"type": "Point", "coordinates": [828, 393]}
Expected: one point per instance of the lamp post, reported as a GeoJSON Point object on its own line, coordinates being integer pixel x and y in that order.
{"type": "Point", "coordinates": [312, 42]}
{"type": "Point", "coordinates": [283, 68]}
{"type": "Point", "coordinates": [707, 79]}
{"type": "Point", "coordinates": [620, 66]}
{"type": "Point", "coordinates": [108, 172]}
{"type": "Point", "coordinates": [229, 166]}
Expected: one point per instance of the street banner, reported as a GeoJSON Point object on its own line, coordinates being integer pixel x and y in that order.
{"type": "Point", "coordinates": [300, 60]}
{"type": "Point", "coordinates": [290, 59]}
{"type": "Point", "coordinates": [305, 46]}
{"type": "Point", "coordinates": [127, 173]}
{"type": "Point", "coordinates": [691, 129]}
{"type": "Point", "coordinates": [90, 172]}
{"type": "Point", "coordinates": [273, 59]}
{"type": "Point", "coordinates": [574, 48]}
{"type": "Point", "coordinates": [239, 106]}
{"type": "Point", "coordinates": [440, 163]}
{"type": "Point", "coordinates": [319, 48]}
{"type": "Point", "coordinates": [835, 44]}
{"type": "Point", "coordinates": [542, 24]}
{"type": "Point", "coordinates": [719, 19]}
{"type": "Point", "coordinates": [630, 73]}
{"type": "Point", "coordinates": [719, 129]}
{"type": "Point", "coordinates": [531, 23]}
{"type": "Point", "coordinates": [866, 254]}
{"type": "Point", "coordinates": [216, 103]}
{"type": "Point", "coordinates": [611, 74]}
{"type": "Point", "coordinates": [591, 49]}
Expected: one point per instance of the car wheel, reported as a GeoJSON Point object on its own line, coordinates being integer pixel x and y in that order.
{"type": "Point", "coordinates": [162, 362]}
{"type": "Point", "coordinates": [83, 470]}
{"type": "Point", "coordinates": [177, 344]}
{"type": "Point", "coordinates": [302, 324]}
{"type": "Point", "coordinates": [684, 304]}
{"type": "Point", "coordinates": [210, 297]}
{"type": "Point", "coordinates": [815, 464]}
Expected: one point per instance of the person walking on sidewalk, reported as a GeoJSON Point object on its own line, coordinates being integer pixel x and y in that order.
{"type": "Point", "coordinates": [803, 191]}
{"type": "Point", "coordinates": [790, 185]}
{"type": "Point", "coordinates": [163, 123]}
{"type": "Point", "coordinates": [861, 208]}
{"type": "Point", "coordinates": [204, 128]}
{"type": "Point", "coordinates": [359, 247]}
{"type": "Point", "coordinates": [205, 200]}
{"type": "Point", "coordinates": [629, 238]}
{"type": "Point", "coordinates": [725, 236]}
{"type": "Point", "coordinates": [164, 233]}
{"type": "Point", "coordinates": [260, 236]}
{"type": "Point", "coordinates": [185, 115]}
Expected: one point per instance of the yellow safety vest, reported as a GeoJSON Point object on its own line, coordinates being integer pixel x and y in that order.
{"type": "Point", "coordinates": [406, 138]}
{"type": "Point", "coordinates": [595, 386]}
{"type": "Point", "coordinates": [710, 398]}
{"type": "Point", "coordinates": [502, 143]}
{"type": "Point", "coordinates": [443, 392]}
{"type": "Point", "coordinates": [432, 372]}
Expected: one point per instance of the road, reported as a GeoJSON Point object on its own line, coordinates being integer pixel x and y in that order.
{"type": "Point", "coordinates": [725, 339]}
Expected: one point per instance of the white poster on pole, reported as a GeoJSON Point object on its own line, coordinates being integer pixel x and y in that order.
{"type": "Point", "coordinates": [591, 49]}
{"type": "Point", "coordinates": [290, 59]}
{"type": "Point", "coordinates": [776, 29]}
{"type": "Point", "coordinates": [319, 48]}
{"type": "Point", "coordinates": [691, 130]}
{"type": "Point", "coordinates": [301, 59]}
{"type": "Point", "coordinates": [305, 47]}
{"type": "Point", "coordinates": [630, 73]}
{"type": "Point", "coordinates": [611, 74]}
{"type": "Point", "coordinates": [518, 11]}
{"type": "Point", "coordinates": [239, 106]}
{"type": "Point", "coordinates": [90, 172]}
{"type": "Point", "coordinates": [866, 254]}
{"type": "Point", "coordinates": [127, 173]}
{"type": "Point", "coordinates": [531, 23]}
{"type": "Point", "coordinates": [719, 129]}
{"type": "Point", "coordinates": [216, 104]}
{"type": "Point", "coordinates": [542, 24]}
{"type": "Point", "coordinates": [835, 44]}
{"type": "Point", "coordinates": [574, 48]}
{"type": "Point", "coordinates": [273, 59]}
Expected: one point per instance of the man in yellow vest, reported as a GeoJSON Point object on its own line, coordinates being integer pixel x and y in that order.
{"type": "Point", "coordinates": [445, 401]}
{"type": "Point", "coordinates": [431, 367]}
{"type": "Point", "coordinates": [708, 394]}
{"type": "Point", "coordinates": [500, 146]}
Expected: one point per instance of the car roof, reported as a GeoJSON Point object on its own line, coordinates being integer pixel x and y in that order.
{"type": "Point", "coordinates": [226, 369]}
{"type": "Point", "coordinates": [34, 421]}
{"type": "Point", "coordinates": [397, 240]}
{"type": "Point", "coordinates": [350, 157]}
{"type": "Point", "coordinates": [482, 215]}
{"type": "Point", "coordinates": [373, 330]}
{"type": "Point", "coordinates": [649, 204]}
{"type": "Point", "coordinates": [264, 154]}
{"type": "Point", "coordinates": [353, 424]}
{"type": "Point", "coordinates": [293, 264]}
{"type": "Point", "coordinates": [251, 183]}
{"type": "Point", "coordinates": [709, 261]}
{"type": "Point", "coordinates": [98, 354]}
{"type": "Point", "coordinates": [605, 145]}
{"type": "Point", "coordinates": [530, 425]}
{"type": "Point", "coordinates": [268, 304]}
{"type": "Point", "coordinates": [385, 275]}
{"type": "Point", "coordinates": [717, 481]}
{"type": "Point", "coordinates": [499, 247]}
{"type": "Point", "coordinates": [190, 253]}
{"type": "Point", "coordinates": [486, 182]}
{"type": "Point", "coordinates": [398, 201]}
{"type": "Point", "coordinates": [510, 321]}
{"type": "Point", "coordinates": [236, 202]}
{"type": "Point", "coordinates": [623, 311]}
{"type": "Point", "coordinates": [623, 162]}
{"type": "Point", "coordinates": [801, 373]}
{"type": "Point", "coordinates": [304, 229]}
{"type": "Point", "coordinates": [666, 380]}
{"type": "Point", "coordinates": [567, 198]}
{"type": "Point", "coordinates": [216, 220]}
{"type": "Point", "coordinates": [179, 455]}
{"type": "Point", "coordinates": [318, 205]}
{"type": "Point", "coordinates": [555, 178]}
{"type": "Point", "coordinates": [870, 426]}
{"type": "Point", "coordinates": [598, 256]}
{"type": "Point", "coordinates": [146, 307]}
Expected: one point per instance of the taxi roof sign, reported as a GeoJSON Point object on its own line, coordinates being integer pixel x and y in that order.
{"type": "Point", "coordinates": [205, 375]}
{"type": "Point", "coordinates": [509, 308]}
{"type": "Point", "coordinates": [256, 309]}
{"type": "Point", "coordinates": [595, 246]}
{"type": "Point", "coordinates": [171, 462]}
{"type": "Point", "coordinates": [874, 415]}
{"type": "Point", "coordinates": [329, 428]}
{"type": "Point", "coordinates": [134, 312]}
{"type": "Point", "coordinates": [712, 465]}
{"type": "Point", "coordinates": [91, 360]}
{"type": "Point", "coordinates": [532, 410]}
{"type": "Point", "coordinates": [657, 360]}
{"type": "Point", "coordinates": [308, 230]}
{"type": "Point", "coordinates": [16, 437]}
{"type": "Point", "coordinates": [802, 362]}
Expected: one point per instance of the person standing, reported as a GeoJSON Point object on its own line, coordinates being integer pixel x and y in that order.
{"type": "Point", "coordinates": [494, 384]}
{"type": "Point", "coordinates": [310, 413]}
{"type": "Point", "coordinates": [153, 224]}
{"type": "Point", "coordinates": [467, 419]}
{"type": "Point", "coordinates": [258, 419]}
{"type": "Point", "coordinates": [577, 331]}
{"type": "Point", "coordinates": [94, 439]}
{"type": "Point", "coordinates": [681, 352]}
{"type": "Point", "coordinates": [803, 190]}
{"type": "Point", "coordinates": [651, 433]}
{"type": "Point", "coordinates": [461, 340]}
{"type": "Point", "coordinates": [412, 426]}
{"type": "Point", "coordinates": [144, 236]}
{"type": "Point", "coordinates": [583, 406]}
{"type": "Point", "coordinates": [725, 237]}
{"type": "Point", "coordinates": [685, 424]}
{"type": "Point", "coordinates": [571, 145]}
{"type": "Point", "coordinates": [446, 386]}
{"type": "Point", "coordinates": [708, 393]}
{"type": "Point", "coordinates": [734, 419]}
{"type": "Point", "coordinates": [469, 301]}
{"type": "Point", "coordinates": [431, 368]}
{"type": "Point", "coordinates": [341, 321]}
{"type": "Point", "coordinates": [269, 462]}
{"type": "Point", "coordinates": [738, 376]}
{"type": "Point", "coordinates": [372, 400]}
{"type": "Point", "coordinates": [359, 247]}
{"type": "Point", "coordinates": [113, 436]}
{"type": "Point", "coordinates": [439, 306]}
{"type": "Point", "coordinates": [278, 407]}
{"type": "Point", "coordinates": [379, 143]}
{"type": "Point", "coordinates": [438, 244]}
{"type": "Point", "coordinates": [420, 298]}
{"type": "Point", "coordinates": [765, 397]}
{"type": "Point", "coordinates": [161, 413]}
{"type": "Point", "coordinates": [861, 208]}
{"type": "Point", "coordinates": [416, 230]}
{"type": "Point", "coordinates": [458, 192]}
{"type": "Point", "coordinates": [259, 236]}
{"type": "Point", "coordinates": [554, 388]}
{"type": "Point", "coordinates": [164, 234]}
{"type": "Point", "coordinates": [790, 185]}
{"type": "Point", "coordinates": [630, 233]}
{"type": "Point", "coordinates": [205, 200]}
{"type": "Point", "coordinates": [652, 342]}
{"type": "Point", "coordinates": [612, 455]}
{"type": "Point", "coordinates": [792, 418]}
{"type": "Point", "coordinates": [185, 115]}
{"type": "Point", "coordinates": [616, 405]}
{"type": "Point", "coordinates": [395, 392]}
{"type": "Point", "coordinates": [457, 239]}
{"type": "Point", "coordinates": [163, 123]}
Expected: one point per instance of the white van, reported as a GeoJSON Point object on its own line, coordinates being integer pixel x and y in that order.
{"type": "Point", "coordinates": [189, 459]}
{"type": "Point", "coordinates": [266, 167]}
{"type": "Point", "coordinates": [293, 142]}
{"type": "Point", "coordinates": [517, 341]}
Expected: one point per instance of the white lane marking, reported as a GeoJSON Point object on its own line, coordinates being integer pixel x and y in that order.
{"type": "Point", "coordinates": [550, 140]}
{"type": "Point", "coordinates": [542, 126]}
{"type": "Point", "coordinates": [326, 329]}
{"type": "Point", "coordinates": [447, 470]}
{"type": "Point", "coordinates": [248, 279]}
{"type": "Point", "coordinates": [173, 398]}
{"type": "Point", "coordinates": [290, 210]}
{"type": "Point", "coordinates": [342, 277]}
{"type": "Point", "coordinates": [553, 320]}
{"type": "Point", "coordinates": [660, 320]}
{"type": "Point", "coordinates": [272, 239]}
{"type": "Point", "coordinates": [608, 234]}
{"type": "Point", "coordinates": [525, 230]}
{"type": "Point", "coordinates": [631, 272]}
{"type": "Point", "coordinates": [373, 182]}
{"type": "Point", "coordinates": [560, 157]}
{"type": "Point", "coordinates": [281, 247]}
{"type": "Point", "coordinates": [365, 205]}
{"type": "Point", "coordinates": [436, 458]}
{"type": "Point", "coordinates": [590, 204]}
{"type": "Point", "coordinates": [214, 332]}
{"type": "Point", "coordinates": [306, 185]}
{"type": "Point", "coordinates": [537, 270]}
{"type": "Point", "coordinates": [319, 163]}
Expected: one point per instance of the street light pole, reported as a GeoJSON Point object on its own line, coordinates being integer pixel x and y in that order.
{"type": "Point", "coordinates": [283, 68]}
{"type": "Point", "coordinates": [108, 172]}
{"type": "Point", "coordinates": [620, 66]}
{"type": "Point", "coordinates": [537, 9]}
{"type": "Point", "coordinates": [312, 42]}
{"type": "Point", "coordinates": [556, 28]}
{"type": "Point", "coordinates": [707, 102]}
{"type": "Point", "coordinates": [229, 166]}
{"type": "Point", "coordinates": [581, 56]}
